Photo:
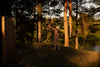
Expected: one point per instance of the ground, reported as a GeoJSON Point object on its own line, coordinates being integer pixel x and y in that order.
{"type": "Point", "coordinates": [43, 55]}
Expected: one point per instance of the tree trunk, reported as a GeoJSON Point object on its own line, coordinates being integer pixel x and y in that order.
{"type": "Point", "coordinates": [66, 24]}
{"type": "Point", "coordinates": [39, 21]}
{"type": "Point", "coordinates": [39, 31]}
{"type": "Point", "coordinates": [70, 17]}
{"type": "Point", "coordinates": [76, 25]}
{"type": "Point", "coordinates": [76, 46]}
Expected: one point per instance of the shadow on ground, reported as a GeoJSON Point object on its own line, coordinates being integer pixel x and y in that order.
{"type": "Point", "coordinates": [46, 56]}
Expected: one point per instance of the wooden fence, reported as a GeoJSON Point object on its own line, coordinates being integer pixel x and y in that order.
{"type": "Point", "coordinates": [8, 41]}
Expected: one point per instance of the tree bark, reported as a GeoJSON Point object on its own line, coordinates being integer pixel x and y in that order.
{"type": "Point", "coordinates": [39, 21]}
{"type": "Point", "coordinates": [70, 17]}
{"type": "Point", "coordinates": [76, 46]}
{"type": "Point", "coordinates": [66, 24]}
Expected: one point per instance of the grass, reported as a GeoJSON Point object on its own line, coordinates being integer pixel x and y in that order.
{"type": "Point", "coordinates": [44, 55]}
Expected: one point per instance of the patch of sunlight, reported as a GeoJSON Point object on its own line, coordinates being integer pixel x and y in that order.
{"type": "Point", "coordinates": [85, 59]}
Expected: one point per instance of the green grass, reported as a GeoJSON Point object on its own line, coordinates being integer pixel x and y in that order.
{"type": "Point", "coordinates": [43, 55]}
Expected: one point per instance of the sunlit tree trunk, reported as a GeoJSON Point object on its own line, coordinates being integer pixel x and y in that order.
{"type": "Point", "coordinates": [66, 24]}
{"type": "Point", "coordinates": [70, 17]}
{"type": "Point", "coordinates": [39, 21]}
{"type": "Point", "coordinates": [76, 46]}
{"type": "Point", "coordinates": [3, 40]}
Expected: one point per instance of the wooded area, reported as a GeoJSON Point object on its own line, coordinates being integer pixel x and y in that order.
{"type": "Point", "coordinates": [36, 24]}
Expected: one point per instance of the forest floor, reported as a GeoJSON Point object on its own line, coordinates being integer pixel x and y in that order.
{"type": "Point", "coordinates": [43, 55]}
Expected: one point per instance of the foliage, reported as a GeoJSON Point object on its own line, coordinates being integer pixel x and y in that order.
{"type": "Point", "coordinates": [92, 39]}
{"type": "Point", "coordinates": [26, 17]}
{"type": "Point", "coordinates": [48, 33]}
{"type": "Point", "coordinates": [25, 29]}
